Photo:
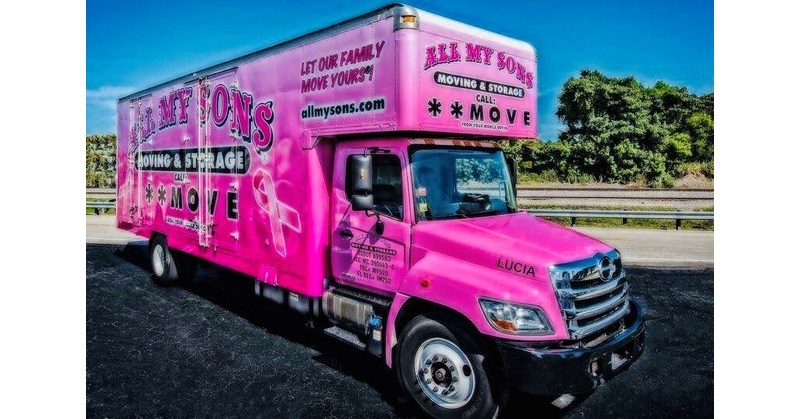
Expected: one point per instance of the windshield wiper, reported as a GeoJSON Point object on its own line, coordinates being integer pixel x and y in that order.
{"type": "Point", "coordinates": [483, 212]}
{"type": "Point", "coordinates": [450, 216]}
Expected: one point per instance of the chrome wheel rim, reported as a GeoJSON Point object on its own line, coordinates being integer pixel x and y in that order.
{"type": "Point", "coordinates": [159, 260]}
{"type": "Point", "coordinates": [444, 373]}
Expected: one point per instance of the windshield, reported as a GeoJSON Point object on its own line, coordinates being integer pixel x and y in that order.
{"type": "Point", "coordinates": [460, 183]}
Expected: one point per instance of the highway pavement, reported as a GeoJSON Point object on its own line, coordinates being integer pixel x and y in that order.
{"type": "Point", "coordinates": [212, 349]}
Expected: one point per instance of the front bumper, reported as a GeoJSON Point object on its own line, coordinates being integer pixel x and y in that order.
{"type": "Point", "coordinates": [554, 371]}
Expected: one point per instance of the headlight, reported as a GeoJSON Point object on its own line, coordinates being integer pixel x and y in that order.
{"type": "Point", "coordinates": [516, 319]}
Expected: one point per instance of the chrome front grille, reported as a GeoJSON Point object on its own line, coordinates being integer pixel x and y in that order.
{"type": "Point", "coordinates": [592, 293]}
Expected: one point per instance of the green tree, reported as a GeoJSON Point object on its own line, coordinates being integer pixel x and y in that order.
{"type": "Point", "coordinates": [700, 127]}
{"type": "Point", "coordinates": [618, 130]}
{"type": "Point", "coordinates": [707, 104]}
{"type": "Point", "coordinates": [101, 161]}
{"type": "Point", "coordinates": [677, 149]}
{"type": "Point", "coordinates": [611, 129]}
{"type": "Point", "coordinates": [671, 105]}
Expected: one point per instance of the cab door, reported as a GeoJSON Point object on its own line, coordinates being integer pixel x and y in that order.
{"type": "Point", "coordinates": [362, 256]}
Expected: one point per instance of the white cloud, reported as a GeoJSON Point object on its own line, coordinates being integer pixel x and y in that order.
{"type": "Point", "coordinates": [106, 96]}
{"type": "Point", "coordinates": [549, 126]}
{"type": "Point", "coordinates": [547, 91]}
{"type": "Point", "coordinates": [101, 108]}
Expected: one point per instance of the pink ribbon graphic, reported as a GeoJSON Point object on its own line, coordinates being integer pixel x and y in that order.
{"type": "Point", "coordinates": [280, 214]}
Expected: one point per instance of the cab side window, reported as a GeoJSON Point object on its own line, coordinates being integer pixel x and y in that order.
{"type": "Point", "coordinates": [387, 184]}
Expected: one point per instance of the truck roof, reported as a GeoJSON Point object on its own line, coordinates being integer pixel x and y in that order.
{"type": "Point", "coordinates": [389, 10]}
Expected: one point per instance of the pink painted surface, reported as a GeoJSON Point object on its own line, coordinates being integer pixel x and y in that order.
{"type": "Point", "coordinates": [264, 206]}
{"type": "Point", "coordinates": [464, 260]}
{"type": "Point", "coordinates": [459, 259]}
{"type": "Point", "coordinates": [493, 79]}
{"type": "Point", "coordinates": [370, 261]}
{"type": "Point", "coordinates": [236, 168]}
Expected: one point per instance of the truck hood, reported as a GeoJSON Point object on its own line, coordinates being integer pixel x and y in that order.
{"type": "Point", "coordinates": [518, 244]}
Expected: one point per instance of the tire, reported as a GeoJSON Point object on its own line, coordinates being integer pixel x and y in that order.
{"type": "Point", "coordinates": [168, 266]}
{"type": "Point", "coordinates": [445, 369]}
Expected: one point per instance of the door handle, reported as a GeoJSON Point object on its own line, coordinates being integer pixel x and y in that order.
{"type": "Point", "coordinates": [346, 233]}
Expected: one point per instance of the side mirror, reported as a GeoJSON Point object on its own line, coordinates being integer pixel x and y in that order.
{"type": "Point", "coordinates": [361, 182]}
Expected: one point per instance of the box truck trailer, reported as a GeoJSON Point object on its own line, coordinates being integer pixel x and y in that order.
{"type": "Point", "coordinates": [354, 174]}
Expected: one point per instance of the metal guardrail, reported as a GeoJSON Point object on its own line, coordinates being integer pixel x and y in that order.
{"type": "Point", "coordinates": [101, 193]}
{"type": "Point", "coordinates": [610, 189]}
{"type": "Point", "coordinates": [101, 206]}
{"type": "Point", "coordinates": [682, 197]}
{"type": "Point", "coordinates": [625, 215]}
{"type": "Point", "coordinates": [572, 214]}
{"type": "Point", "coordinates": [556, 192]}
{"type": "Point", "coordinates": [524, 196]}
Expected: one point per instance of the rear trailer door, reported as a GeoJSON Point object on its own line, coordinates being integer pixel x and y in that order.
{"type": "Point", "coordinates": [221, 164]}
{"type": "Point", "coordinates": [133, 191]}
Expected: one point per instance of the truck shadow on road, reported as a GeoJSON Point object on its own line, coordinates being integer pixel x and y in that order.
{"type": "Point", "coordinates": [234, 293]}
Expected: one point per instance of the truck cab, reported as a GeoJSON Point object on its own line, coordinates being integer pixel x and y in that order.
{"type": "Point", "coordinates": [479, 294]}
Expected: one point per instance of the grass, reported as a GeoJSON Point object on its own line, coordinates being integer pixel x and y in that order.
{"type": "Point", "coordinates": [548, 176]}
{"type": "Point", "coordinates": [547, 180]}
{"type": "Point", "coordinates": [703, 225]}
{"type": "Point", "coordinates": [100, 211]}
{"type": "Point", "coordinates": [709, 208]}
{"type": "Point", "coordinates": [92, 211]}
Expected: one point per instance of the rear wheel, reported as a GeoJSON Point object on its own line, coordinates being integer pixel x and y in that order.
{"type": "Point", "coordinates": [446, 371]}
{"type": "Point", "coordinates": [169, 267]}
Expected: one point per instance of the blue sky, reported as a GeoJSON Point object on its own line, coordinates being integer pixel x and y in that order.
{"type": "Point", "coordinates": [132, 45]}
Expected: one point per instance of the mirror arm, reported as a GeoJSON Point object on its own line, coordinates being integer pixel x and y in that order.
{"type": "Point", "coordinates": [379, 225]}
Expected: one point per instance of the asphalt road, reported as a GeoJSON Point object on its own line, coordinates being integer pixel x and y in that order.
{"type": "Point", "coordinates": [658, 248]}
{"type": "Point", "coordinates": [212, 349]}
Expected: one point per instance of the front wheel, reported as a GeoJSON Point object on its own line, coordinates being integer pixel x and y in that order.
{"type": "Point", "coordinates": [446, 371]}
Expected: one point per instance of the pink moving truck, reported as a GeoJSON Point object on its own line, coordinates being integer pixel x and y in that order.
{"type": "Point", "coordinates": [353, 172]}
